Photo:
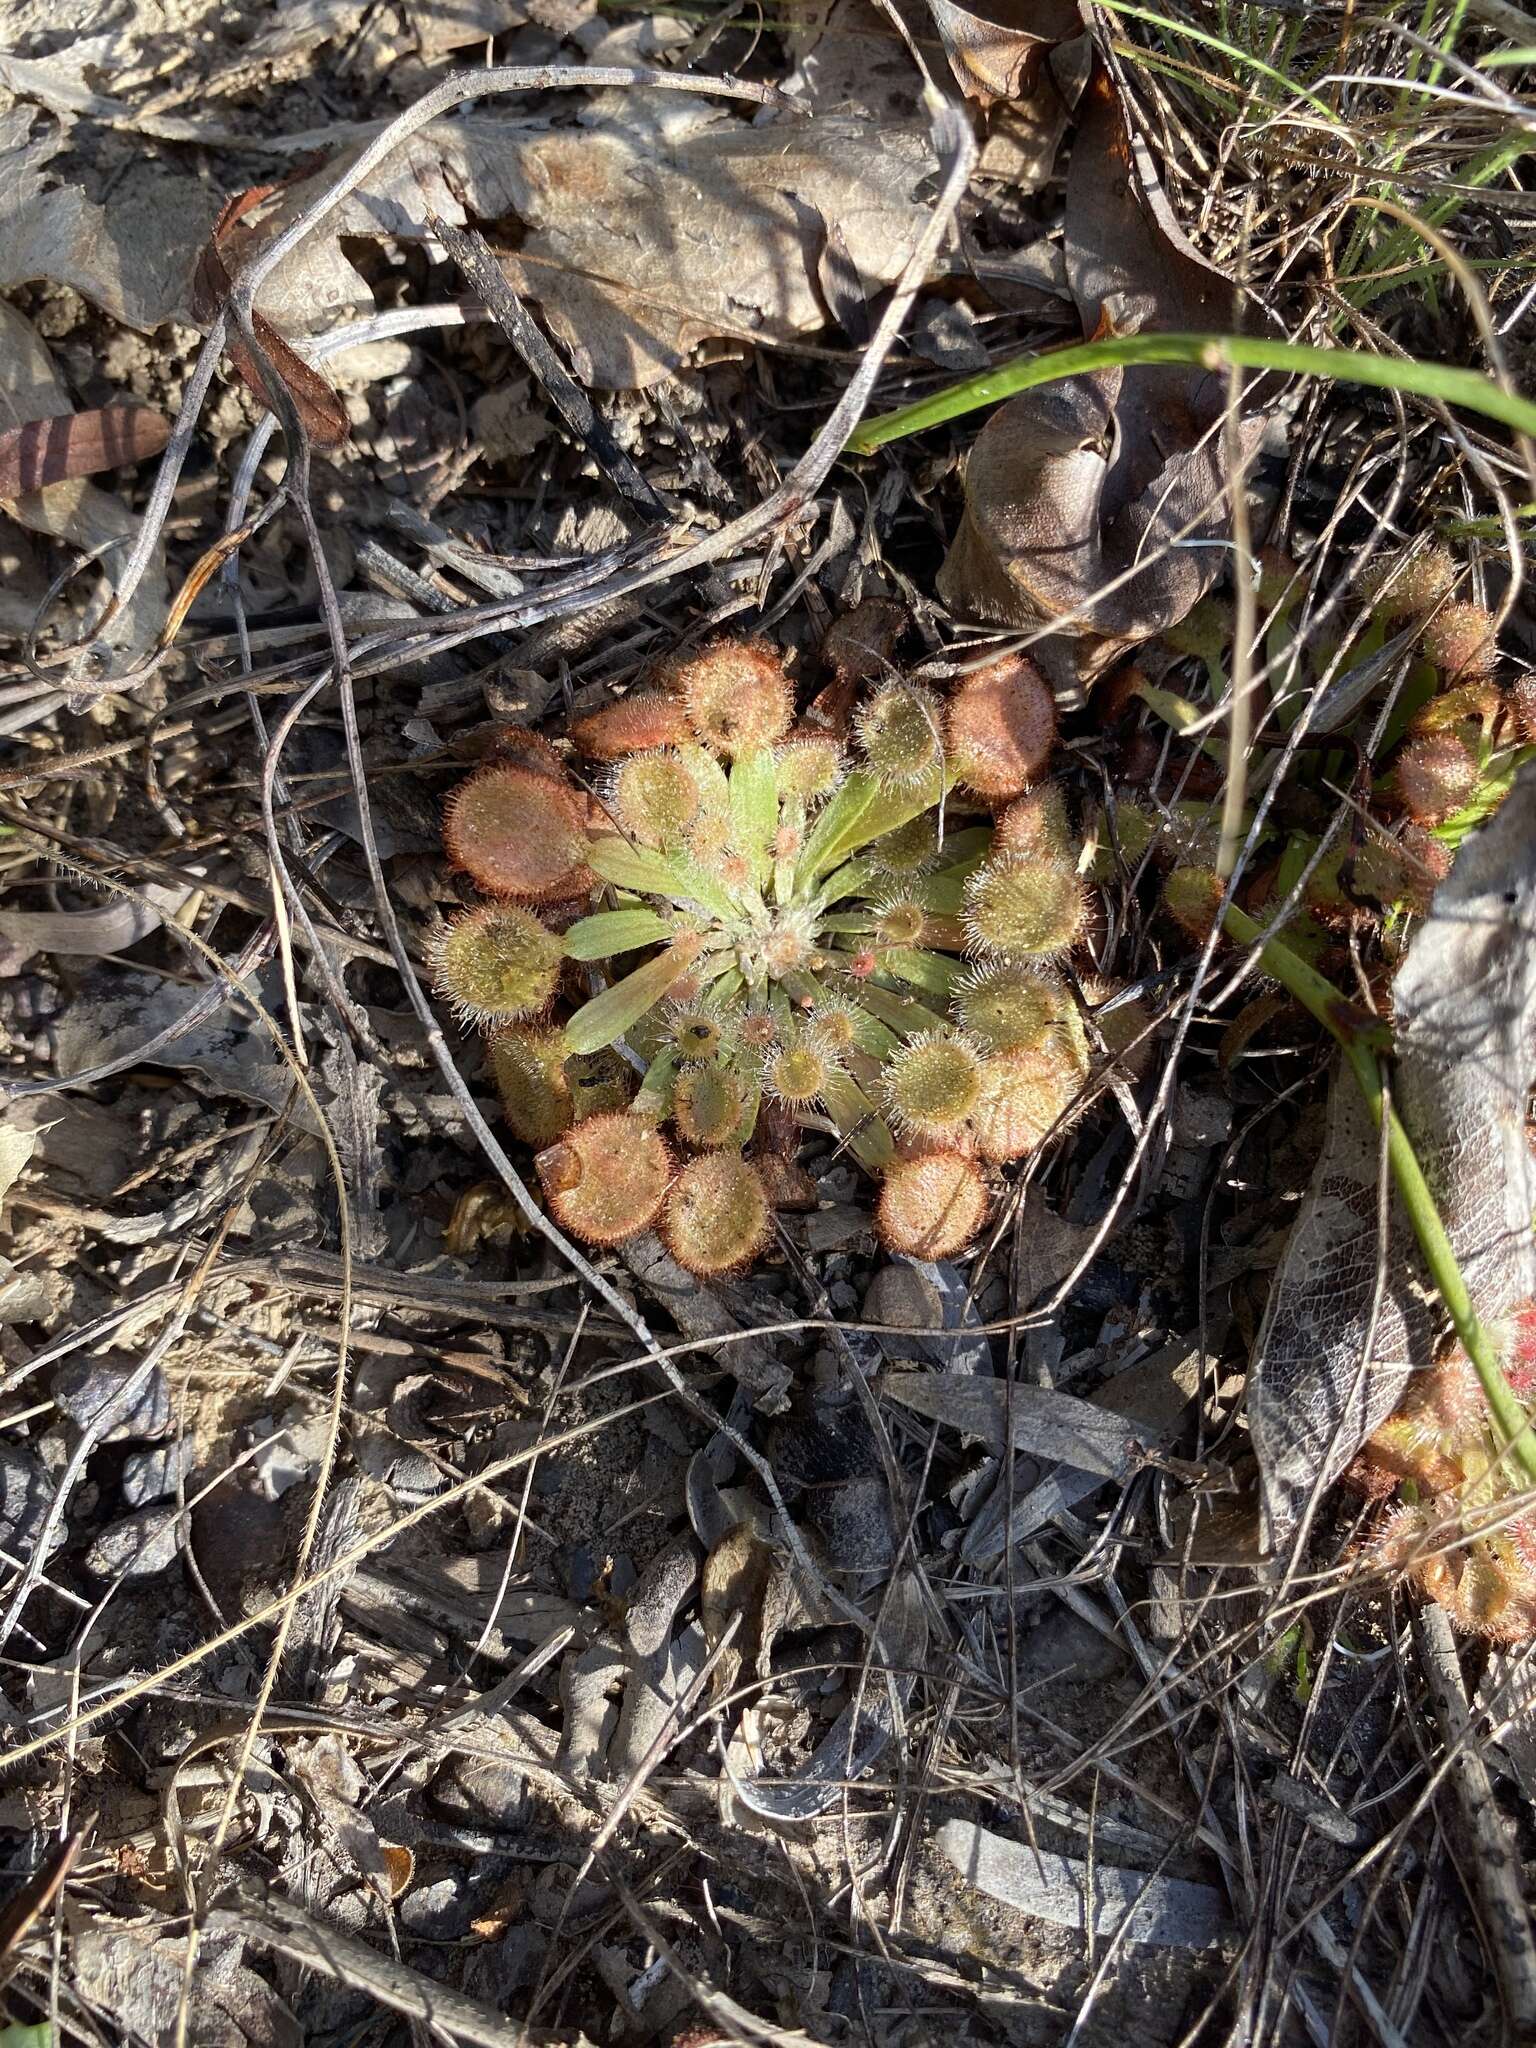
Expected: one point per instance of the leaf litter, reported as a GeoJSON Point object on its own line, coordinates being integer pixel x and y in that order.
{"type": "Point", "coordinates": [851, 1646]}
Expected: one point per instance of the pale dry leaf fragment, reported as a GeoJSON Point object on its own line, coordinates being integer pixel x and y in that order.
{"type": "Point", "coordinates": [637, 247]}
{"type": "Point", "coordinates": [995, 51]}
{"type": "Point", "coordinates": [132, 260]}
{"type": "Point", "coordinates": [92, 934]}
{"type": "Point", "coordinates": [1041, 1421]}
{"type": "Point", "coordinates": [17, 1146]}
{"type": "Point", "coordinates": [1464, 1007]}
{"type": "Point", "coordinates": [1157, 1912]}
{"type": "Point", "coordinates": [858, 1737]}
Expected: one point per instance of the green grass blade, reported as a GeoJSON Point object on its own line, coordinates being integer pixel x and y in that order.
{"type": "Point", "coordinates": [1214, 352]}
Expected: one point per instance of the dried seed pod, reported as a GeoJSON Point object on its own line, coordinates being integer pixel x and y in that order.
{"type": "Point", "coordinates": [607, 1178]}
{"type": "Point", "coordinates": [1434, 777]}
{"type": "Point", "coordinates": [901, 732]}
{"type": "Point", "coordinates": [1461, 643]}
{"type": "Point", "coordinates": [931, 1206]}
{"type": "Point", "coordinates": [1000, 726]}
{"type": "Point", "coordinates": [518, 833]}
{"type": "Point", "coordinates": [636, 724]}
{"type": "Point", "coordinates": [737, 696]}
{"type": "Point", "coordinates": [718, 1215]}
{"type": "Point", "coordinates": [1020, 908]}
{"type": "Point", "coordinates": [1021, 1094]}
{"type": "Point", "coordinates": [931, 1085]}
{"type": "Point", "coordinates": [497, 964]}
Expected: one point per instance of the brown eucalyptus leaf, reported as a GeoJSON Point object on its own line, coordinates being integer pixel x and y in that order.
{"type": "Point", "coordinates": [1465, 1010]}
{"type": "Point", "coordinates": [995, 51]}
{"type": "Point", "coordinates": [1119, 474]}
{"type": "Point", "coordinates": [78, 444]}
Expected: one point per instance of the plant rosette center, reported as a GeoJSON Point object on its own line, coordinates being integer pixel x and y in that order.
{"type": "Point", "coordinates": [745, 913]}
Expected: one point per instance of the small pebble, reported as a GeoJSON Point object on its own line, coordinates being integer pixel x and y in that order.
{"type": "Point", "coordinates": [441, 1910]}
{"type": "Point", "coordinates": [92, 1392]}
{"type": "Point", "coordinates": [152, 1474]}
{"type": "Point", "coordinates": [25, 1492]}
{"type": "Point", "coordinates": [905, 1297]}
{"type": "Point", "coordinates": [138, 1547]}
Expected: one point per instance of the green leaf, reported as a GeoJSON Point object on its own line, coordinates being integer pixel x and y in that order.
{"type": "Point", "coordinates": [608, 932]}
{"type": "Point", "coordinates": [627, 866]}
{"type": "Point", "coordinates": [854, 878]}
{"type": "Point", "coordinates": [859, 1124]}
{"type": "Point", "coordinates": [944, 893]}
{"type": "Point", "coordinates": [653, 1100]}
{"type": "Point", "coordinates": [609, 1015]}
{"type": "Point", "coordinates": [898, 1013]}
{"type": "Point", "coordinates": [860, 812]}
{"type": "Point", "coordinates": [657, 874]}
{"type": "Point", "coordinates": [927, 971]}
{"type": "Point", "coordinates": [755, 810]}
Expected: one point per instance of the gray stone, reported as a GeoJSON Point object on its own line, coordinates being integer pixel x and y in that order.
{"type": "Point", "coordinates": [139, 1547]}
{"type": "Point", "coordinates": [904, 1296]}
{"type": "Point", "coordinates": [152, 1474]}
{"type": "Point", "coordinates": [92, 1392]}
{"type": "Point", "coordinates": [25, 1492]}
{"type": "Point", "coordinates": [441, 1910]}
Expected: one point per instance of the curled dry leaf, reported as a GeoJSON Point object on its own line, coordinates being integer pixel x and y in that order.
{"type": "Point", "coordinates": [994, 51]}
{"type": "Point", "coordinates": [1076, 492]}
{"type": "Point", "coordinates": [78, 444]}
{"type": "Point", "coordinates": [321, 413]}
{"type": "Point", "coordinates": [1464, 1005]}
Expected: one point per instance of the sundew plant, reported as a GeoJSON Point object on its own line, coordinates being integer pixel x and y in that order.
{"type": "Point", "coordinates": [746, 926]}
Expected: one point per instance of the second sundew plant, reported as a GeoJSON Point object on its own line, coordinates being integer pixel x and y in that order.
{"type": "Point", "coordinates": [748, 927]}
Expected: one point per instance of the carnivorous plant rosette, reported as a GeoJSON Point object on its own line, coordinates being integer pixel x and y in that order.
{"type": "Point", "coordinates": [855, 932]}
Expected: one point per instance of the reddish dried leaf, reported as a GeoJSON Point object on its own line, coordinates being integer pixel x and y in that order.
{"type": "Point", "coordinates": [78, 444]}
{"type": "Point", "coordinates": [994, 50]}
{"type": "Point", "coordinates": [321, 413]}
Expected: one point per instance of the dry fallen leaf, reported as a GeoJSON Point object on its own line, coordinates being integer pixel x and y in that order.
{"type": "Point", "coordinates": [1464, 1006]}
{"type": "Point", "coordinates": [73, 509]}
{"type": "Point", "coordinates": [1076, 492]}
{"type": "Point", "coordinates": [321, 412]}
{"type": "Point", "coordinates": [995, 51]}
{"type": "Point", "coordinates": [78, 444]}
{"type": "Point", "coordinates": [639, 243]}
